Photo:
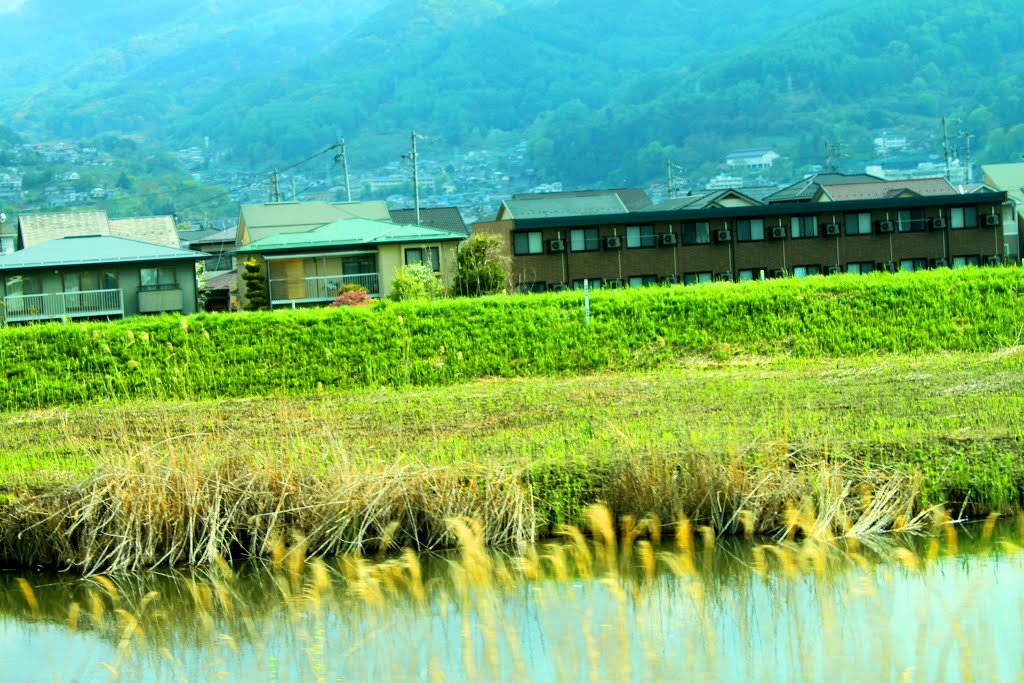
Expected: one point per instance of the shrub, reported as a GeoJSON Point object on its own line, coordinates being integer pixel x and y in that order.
{"type": "Point", "coordinates": [257, 298]}
{"type": "Point", "coordinates": [480, 268]}
{"type": "Point", "coordinates": [352, 295]}
{"type": "Point", "coordinates": [415, 281]}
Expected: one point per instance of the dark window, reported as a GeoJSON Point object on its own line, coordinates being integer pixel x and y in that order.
{"type": "Point", "coordinates": [531, 287]}
{"type": "Point", "coordinates": [911, 220]}
{"type": "Point", "coordinates": [585, 239]}
{"type": "Point", "coordinates": [858, 224]}
{"type": "Point", "coordinates": [804, 271]}
{"type": "Point", "coordinates": [426, 255]}
{"type": "Point", "coordinates": [964, 261]}
{"type": "Point", "coordinates": [750, 230]}
{"type": "Point", "coordinates": [696, 233]}
{"type": "Point", "coordinates": [642, 280]}
{"type": "Point", "coordinates": [525, 243]}
{"type": "Point", "coordinates": [913, 264]}
{"type": "Point", "coordinates": [860, 267]}
{"type": "Point", "coordinates": [803, 226]}
{"type": "Point", "coordinates": [638, 236]}
{"type": "Point", "coordinates": [158, 278]}
{"type": "Point", "coordinates": [593, 283]}
{"type": "Point", "coordinates": [694, 278]}
{"type": "Point", "coordinates": [963, 217]}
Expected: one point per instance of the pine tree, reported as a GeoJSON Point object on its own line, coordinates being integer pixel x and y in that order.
{"type": "Point", "coordinates": [255, 287]}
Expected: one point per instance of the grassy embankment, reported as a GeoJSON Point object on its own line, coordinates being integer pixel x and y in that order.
{"type": "Point", "coordinates": [860, 400]}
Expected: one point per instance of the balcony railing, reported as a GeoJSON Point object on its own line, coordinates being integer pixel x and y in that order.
{"type": "Point", "coordinates": [319, 289]}
{"type": "Point", "coordinates": [88, 304]}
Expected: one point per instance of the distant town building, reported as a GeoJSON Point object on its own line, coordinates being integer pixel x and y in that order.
{"type": "Point", "coordinates": [887, 144]}
{"type": "Point", "coordinates": [724, 182]}
{"type": "Point", "coordinates": [752, 158]}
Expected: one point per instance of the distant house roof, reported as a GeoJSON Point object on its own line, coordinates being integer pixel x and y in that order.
{"type": "Point", "coordinates": [753, 152]}
{"type": "Point", "coordinates": [443, 218]}
{"type": "Point", "coordinates": [223, 281]}
{"type": "Point", "coordinates": [93, 250]}
{"type": "Point", "coordinates": [633, 198]}
{"type": "Point", "coordinates": [554, 207]}
{"type": "Point", "coordinates": [262, 220]}
{"type": "Point", "coordinates": [349, 232]}
{"type": "Point", "coordinates": [1006, 177]}
{"type": "Point", "coordinates": [807, 190]}
{"type": "Point", "coordinates": [704, 200]}
{"type": "Point", "coordinates": [42, 227]}
{"type": "Point", "coordinates": [217, 237]}
{"type": "Point", "coordinates": [881, 189]}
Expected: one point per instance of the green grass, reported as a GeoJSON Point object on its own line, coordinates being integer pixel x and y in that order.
{"type": "Point", "coordinates": [460, 340]}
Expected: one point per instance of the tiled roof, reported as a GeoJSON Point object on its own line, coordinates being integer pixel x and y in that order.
{"type": "Point", "coordinates": [553, 207]}
{"type": "Point", "coordinates": [633, 198]}
{"type": "Point", "coordinates": [223, 281]}
{"type": "Point", "coordinates": [880, 189]}
{"type": "Point", "coordinates": [701, 200]}
{"type": "Point", "coordinates": [217, 237]}
{"type": "Point", "coordinates": [43, 227]}
{"type": "Point", "coordinates": [93, 250]}
{"type": "Point", "coordinates": [349, 232]}
{"type": "Point", "coordinates": [309, 214]}
{"type": "Point", "coordinates": [444, 218]}
{"type": "Point", "coordinates": [807, 189]}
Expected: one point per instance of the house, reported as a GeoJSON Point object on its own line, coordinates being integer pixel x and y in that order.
{"type": "Point", "coordinates": [811, 227]}
{"type": "Point", "coordinates": [34, 229]}
{"type": "Point", "coordinates": [220, 292]}
{"type": "Point", "coordinates": [761, 157]}
{"type": "Point", "coordinates": [1010, 179]}
{"type": "Point", "coordinates": [309, 267]}
{"type": "Point", "coordinates": [443, 218]}
{"type": "Point", "coordinates": [96, 276]}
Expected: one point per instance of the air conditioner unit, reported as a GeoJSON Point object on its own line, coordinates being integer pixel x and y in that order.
{"type": "Point", "coordinates": [613, 242]}
{"type": "Point", "coordinates": [559, 287]}
{"type": "Point", "coordinates": [991, 220]}
{"type": "Point", "coordinates": [889, 266]}
{"type": "Point", "coordinates": [993, 260]}
{"type": "Point", "coordinates": [833, 270]}
{"type": "Point", "coordinates": [885, 226]}
{"type": "Point", "coordinates": [723, 236]}
{"type": "Point", "coordinates": [724, 277]}
{"type": "Point", "coordinates": [668, 239]}
{"type": "Point", "coordinates": [779, 232]}
{"type": "Point", "coordinates": [832, 230]}
{"type": "Point", "coordinates": [776, 272]}
{"type": "Point", "coordinates": [670, 280]}
{"type": "Point", "coordinates": [555, 246]}
{"type": "Point", "coordinates": [940, 263]}
{"type": "Point", "coordinates": [938, 223]}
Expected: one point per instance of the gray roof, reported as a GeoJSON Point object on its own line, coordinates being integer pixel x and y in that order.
{"type": "Point", "coordinates": [443, 218]}
{"type": "Point", "coordinates": [215, 236]}
{"type": "Point", "coordinates": [309, 214]}
{"type": "Point", "coordinates": [38, 228]}
{"type": "Point", "coordinates": [553, 207]}
{"type": "Point", "coordinates": [633, 198]}
{"type": "Point", "coordinates": [807, 189]}
{"type": "Point", "coordinates": [700, 200]}
{"type": "Point", "coordinates": [93, 250]}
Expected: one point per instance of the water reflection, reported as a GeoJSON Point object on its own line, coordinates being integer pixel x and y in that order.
{"type": "Point", "coordinates": [904, 608]}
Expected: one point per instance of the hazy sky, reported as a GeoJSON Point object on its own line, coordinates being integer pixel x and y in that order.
{"type": "Point", "coordinates": [10, 5]}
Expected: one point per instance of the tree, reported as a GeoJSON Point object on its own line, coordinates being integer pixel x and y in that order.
{"type": "Point", "coordinates": [256, 295]}
{"type": "Point", "coordinates": [415, 281]}
{"type": "Point", "coordinates": [480, 266]}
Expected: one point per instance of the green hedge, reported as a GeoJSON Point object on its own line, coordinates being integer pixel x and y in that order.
{"type": "Point", "coordinates": [453, 340]}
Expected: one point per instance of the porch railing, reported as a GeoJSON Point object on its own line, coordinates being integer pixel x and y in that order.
{"type": "Point", "coordinates": [87, 304]}
{"type": "Point", "coordinates": [319, 289]}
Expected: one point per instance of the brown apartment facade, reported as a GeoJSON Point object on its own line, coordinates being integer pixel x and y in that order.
{"type": "Point", "coordinates": [753, 242]}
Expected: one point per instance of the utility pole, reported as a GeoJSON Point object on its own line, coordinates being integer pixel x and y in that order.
{"type": "Point", "coordinates": [970, 172]}
{"type": "Point", "coordinates": [945, 147]}
{"type": "Point", "coordinates": [342, 157]}
{"type": "Point", "coordinates": [275, 189]}
{"type": "Point", "coordinates": [668, 165]}
{"type": "Point", "coordinates": [832, 154]}
{"type": "Point", "coordinates": [414, 157]}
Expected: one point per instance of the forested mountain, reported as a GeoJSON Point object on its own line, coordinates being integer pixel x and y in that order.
{"type": "Point", "coordinates": [603, 91]}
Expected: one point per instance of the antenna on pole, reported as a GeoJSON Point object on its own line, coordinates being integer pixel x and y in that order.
{"type": "Point", "coordinates": [275, 188]}
{"type": "Point", "coordinates": [668, 166]}
{"type": "Point", "coordinates": [945, 147]}
{"type": "Point", "coordinates": [970, 171]}
{"type": "Point", "coordinates": [342, 157]}
{"type": "Point", "coordinates": [414, 157]}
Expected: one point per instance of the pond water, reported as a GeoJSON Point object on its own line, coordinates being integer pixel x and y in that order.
{"type": "Point", "coordinates": [940, 608]}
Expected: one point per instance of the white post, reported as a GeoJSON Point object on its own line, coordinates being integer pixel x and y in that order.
{"type": "Point", "coordinates": [586, 299]}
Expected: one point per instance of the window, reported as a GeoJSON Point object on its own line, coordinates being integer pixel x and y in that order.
{"type": "Point", "coordinates": [696, 233]}
{"type": "Point", "coordinates": [642, 280]}
{"type": "Point", "coordinates": [750, 230]}
{"type": "Point", "coordinates": [585, 239]}
{"type": "Point", "coordinates": [911, 220]}
{"type": "Point", "coordinates": [749, 274]}
{"type": "Point", "coordinates": [695, 278]}
{"type": "Point", "coordinates": [964, 261]}
{"type": "Point", "coordinates": [803, 226]}
{"type": "Point", "coordinates": [525, 243]}
{"type": "Point", "coordinates": [638, 236]}
{"type": "Point", "coordinates": [426, 255]}
{"type": "Point", "coordinates": [89, 280]}
{"type": "Point", "coordinates": [593, 283]}
{"type": "Point", "coordinates": [961, 217]}
{"type": "Point", "coordinates": [24, 285]}
{"type": "Point", "coordinates": [913, 264]}
{"type": "Point", "coordinates": [861, 267]}
{"type": "Point", "coordinates": [804, 271]}
{"type": "Point", "coordinates": [531, 287]}
{"type": "Point", "coordinates": [359, 264]}
{"type": "Point", "coordinates": [6, 244]}
{"type": "Point", "coordinates": [158, 278]}
{"type": "Point", "coordinates": [858, 223]}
